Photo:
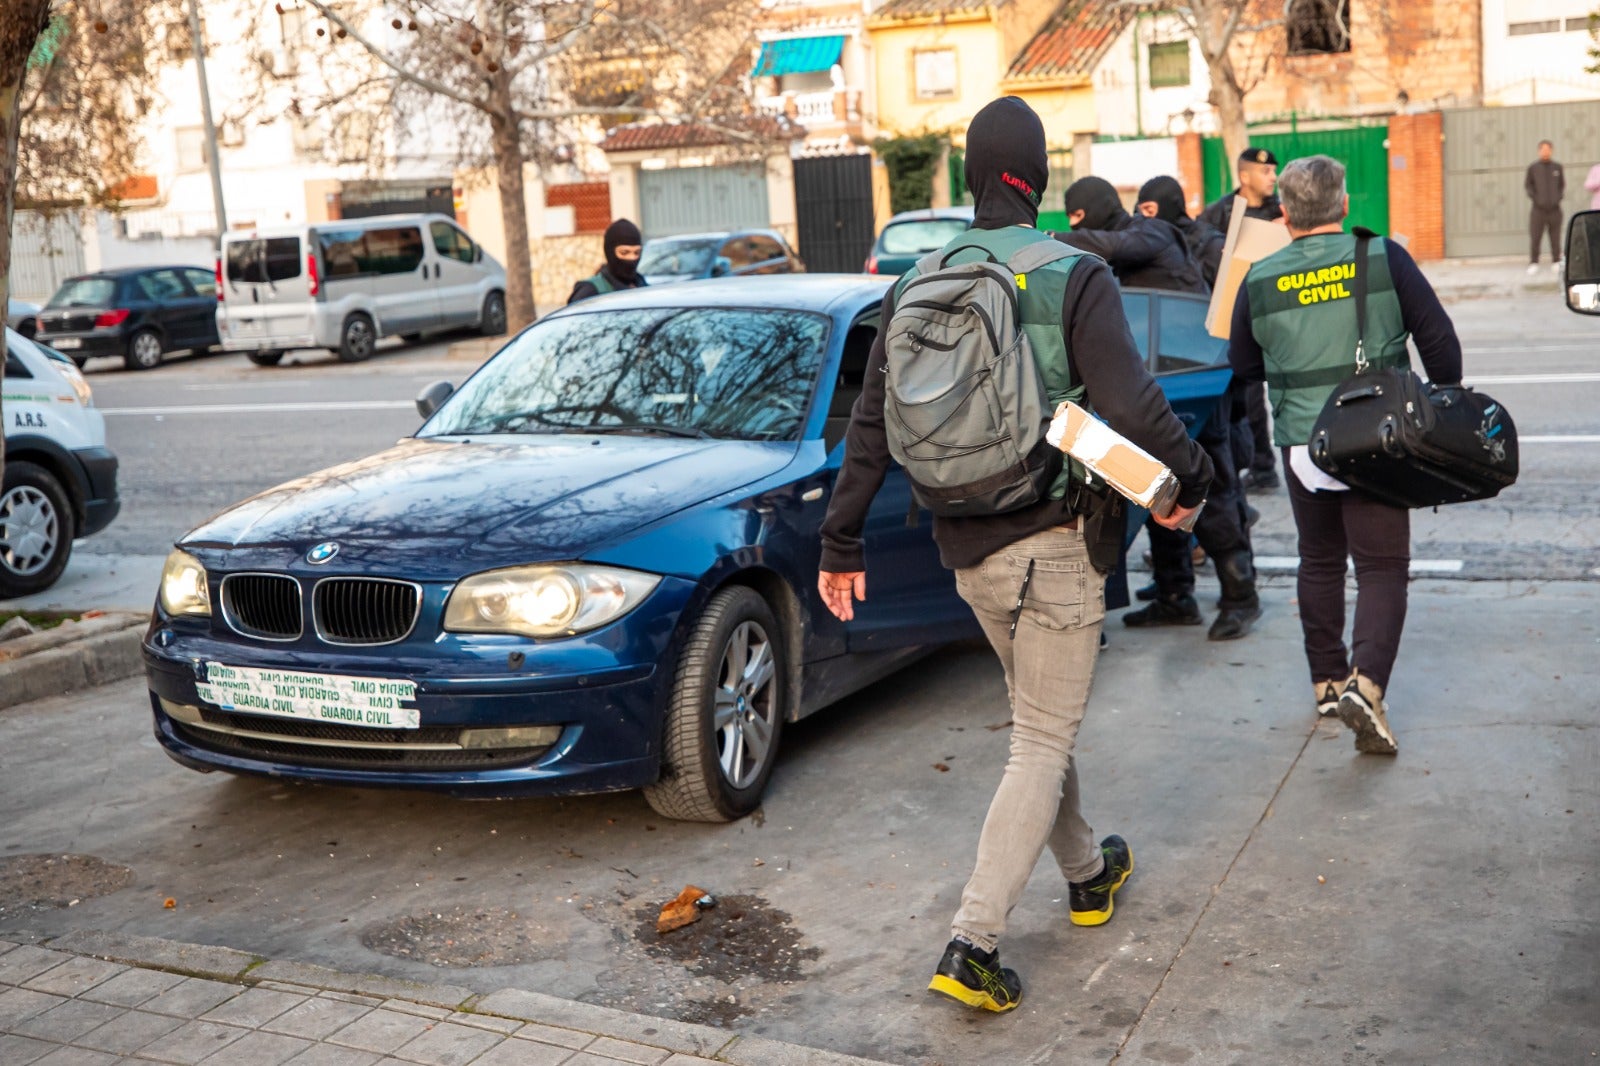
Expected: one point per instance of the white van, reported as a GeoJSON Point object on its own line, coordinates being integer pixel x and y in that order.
{"type": "Point", "coordinates": [344, 284]}
{"type": "Point", "coordinates": [60, 478]}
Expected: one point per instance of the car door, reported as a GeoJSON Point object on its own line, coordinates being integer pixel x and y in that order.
{"type": "Point", "coordinates": [456, 274]}
{"type": "Point", "coordinates": [203, 283]}
{"type": "Point", "coordinates": [389, 267]}
{"type": "Point", "coordinates": [173, 306]}
{"type": "Point", "coordinates": [1190, 364]}
{"type": "Point", "coordinates": [911, 597]}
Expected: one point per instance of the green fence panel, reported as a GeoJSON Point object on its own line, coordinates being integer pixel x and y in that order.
{"type": "Point", "coordinates": [1362, 149]}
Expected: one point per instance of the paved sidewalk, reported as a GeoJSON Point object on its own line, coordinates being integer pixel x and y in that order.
{"type": "Point", "coordinates": [1490, 277]}
{"type": "Point", "coordinates": [89, 999]}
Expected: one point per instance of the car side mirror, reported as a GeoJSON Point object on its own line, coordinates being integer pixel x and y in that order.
{"type": "Point", "coordinates": [433, 397]}
{"type": "Point", "coordinates": [722, 267]}
{"type": "Point", "coordinates": [477, 253]}
{"type": "Point", "coordinates": [1580, 276]}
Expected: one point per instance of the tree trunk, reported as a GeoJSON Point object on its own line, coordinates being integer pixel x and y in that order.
{"type": "Point", "coordinates": [508, 161]}
{"type": "Point", "coordinates": [1228, 98]}
{"type": "Point", "coordinates": [21, 22]}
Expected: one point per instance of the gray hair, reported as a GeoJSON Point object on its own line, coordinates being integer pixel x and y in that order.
{"type": "Point", "coordinates": [1313, 192]}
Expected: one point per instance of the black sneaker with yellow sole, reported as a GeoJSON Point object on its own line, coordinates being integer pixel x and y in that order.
{"type": "Point", "coordinates": [975, 977]}
{"type": "Point", "coordinates": [1091, 900]}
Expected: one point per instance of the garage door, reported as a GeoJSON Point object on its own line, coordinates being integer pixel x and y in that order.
{"type": "Point", "coordinates": [699, 199]}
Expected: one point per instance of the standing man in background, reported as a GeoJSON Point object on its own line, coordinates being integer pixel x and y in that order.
{"type": "Point", "coordinates": [1545, 185]}
{"type": "Point", "coordinates": [623, 244]}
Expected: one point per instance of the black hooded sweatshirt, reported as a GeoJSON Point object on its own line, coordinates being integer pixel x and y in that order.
{"type": "Point", "coordinates": [1144, 253]}
{"type": "Point", "coordinates": [1205, 241]}
{"type": "Point", "coordinates": [1007, 168]}
{"type": "Point", "coordinates": [620, 273]}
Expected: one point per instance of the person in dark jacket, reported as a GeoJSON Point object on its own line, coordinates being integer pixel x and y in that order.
{"type": "Point", "coordinates": [1545, 184]}
{"type": "Point", "coordinates": [623, 244]}
{"type": "Point", "coordinates": [1162, 197]}
{"type": "Point", "coordinates": [1258, 178]}
{"type": "Point", "coordinates": [1144, 253]}
{"type": "Point", "coordinates": [1303, 349]}
{"type": "Point", "coordinates": [1028, 574]}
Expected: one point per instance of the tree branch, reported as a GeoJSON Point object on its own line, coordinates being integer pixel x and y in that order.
{"type": "Point", "coordinates": [382, 56]}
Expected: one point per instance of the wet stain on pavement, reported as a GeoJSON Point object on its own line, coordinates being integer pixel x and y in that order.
{"type": "Point", "coordinates": [742, 936]}
{"type": "Point", "coordinates": [41, 882]}
{"type": "Point", "coordinates": [462, 937]}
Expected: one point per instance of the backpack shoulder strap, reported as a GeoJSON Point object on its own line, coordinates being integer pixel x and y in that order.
{"type": "Point", "coordinates": [1031, 257]}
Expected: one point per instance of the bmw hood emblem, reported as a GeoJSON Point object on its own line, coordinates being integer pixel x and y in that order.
{"type": "Point", "coordinates": [322, 553]}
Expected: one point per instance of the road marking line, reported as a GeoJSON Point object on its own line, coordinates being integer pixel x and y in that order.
{"type": "Point", "coordinates": [264, 408]}
{"type": "Point", "coordinates": [1581, 346]}
{"type": "Point", "coordinates": [1533, 379]}
{"type": "Point", "coordinates": [1561, 438]}
{"type": "Point", "coordinates": [1290, 563]}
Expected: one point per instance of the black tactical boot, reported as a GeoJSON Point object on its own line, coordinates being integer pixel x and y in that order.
{"type": "Point", "coordinates": [1239, 606]}
{"type": "Point", "coordinates": [1165, 611]}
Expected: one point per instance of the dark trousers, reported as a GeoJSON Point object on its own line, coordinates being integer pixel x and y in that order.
{"type": "Point", "coordinates": [1260, 430]}
{"type": "Point", "coordinates": [1221, 528]}
{"type": "Point", "coordinates": [1335, 527]}
{"type": "Point", "coordinates": [1540, 221]}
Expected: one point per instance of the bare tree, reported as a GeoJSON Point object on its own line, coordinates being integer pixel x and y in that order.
{"type": "Point", "coordinates": [21, 24]}
{"type": "Point", "coordinates": [508, 82]}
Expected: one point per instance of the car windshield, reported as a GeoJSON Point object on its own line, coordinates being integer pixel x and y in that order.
{"type": "Point", "coordinates": [919, 237]}
{"type": "Point", "coordinates": [84, 292]}
{"type": "Point", "coordinates": [731, 373]}
{"type": "Point", "coordinates": [676, 257]}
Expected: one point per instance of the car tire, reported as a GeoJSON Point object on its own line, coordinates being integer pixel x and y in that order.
{"type": "Point", "coordinates": [264, 358]}
{"type": "Point", "coordinates": [144, 350]}
{"type": "Point", "coordinates": [357, 338]}
{"type": "Point", "coordinates": [36, 529]}
{"type": "Point", "coordinates": [492, 320]}
{"type": "Point", "coordinates": [725, 714]}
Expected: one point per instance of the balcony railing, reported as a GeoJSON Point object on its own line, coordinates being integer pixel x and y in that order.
{"type": "Point", "coordinates": [815, 109]}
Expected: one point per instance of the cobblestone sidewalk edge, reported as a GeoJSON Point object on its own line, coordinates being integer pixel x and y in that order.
{"type": "Point", "coordinates": [242, 968]}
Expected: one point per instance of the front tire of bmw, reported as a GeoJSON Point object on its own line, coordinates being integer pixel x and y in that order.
{"type": "Point", "coordinates": [725, 716]}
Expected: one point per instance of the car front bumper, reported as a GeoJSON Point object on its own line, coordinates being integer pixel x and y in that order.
{"type": "Point", "coordinates": [101, 504]}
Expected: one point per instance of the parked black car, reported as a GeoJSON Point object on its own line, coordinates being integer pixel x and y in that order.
{"type": "Point", "coordinates": [138, 313]}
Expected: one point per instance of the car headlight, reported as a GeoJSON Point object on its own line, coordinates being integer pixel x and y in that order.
{"type": "Point", "coordinates": [80, 384]}
{"type": "Point", "coordinates": [545, 601]}
{"type": "Point", "coordinates": [183, 586]}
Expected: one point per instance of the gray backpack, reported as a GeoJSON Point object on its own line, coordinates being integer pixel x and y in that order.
{"type": "Point", "coordinates": [965, 409]}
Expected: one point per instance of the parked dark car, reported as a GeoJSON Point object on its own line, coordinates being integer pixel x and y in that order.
{"type": "Point", "coordinates": [137, 313]}
{"type": "Point", "coordinates": [592, 568]}
{"type": "Point", "coordinates": [910, 235]}
{"type": "Point", "coordinates": [666, 260]}
{"type": "Point", "coordinates": [20, 316]}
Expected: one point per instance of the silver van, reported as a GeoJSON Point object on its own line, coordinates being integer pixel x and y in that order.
{"type": "Point", "coordinates": [342, 285]}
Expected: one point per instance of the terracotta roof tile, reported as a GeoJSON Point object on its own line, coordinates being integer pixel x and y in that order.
{"type": "Point", "coordinates": [911, 9]}
{"type": "Point", "coordinates": [655, 136]}
{"type": "Point", "coordinates": [1074, 40]}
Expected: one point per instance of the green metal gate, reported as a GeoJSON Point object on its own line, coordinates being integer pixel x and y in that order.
{"type": "Point", "coordinates": [1362, 149]}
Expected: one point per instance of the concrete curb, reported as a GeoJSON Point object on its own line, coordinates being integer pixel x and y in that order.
{"type": "Point", "coordinates": [239, 967]}
{"type": "Point", "coordinates": [478, 349]}
{"type": "Point", "coordinates": [57, 662]}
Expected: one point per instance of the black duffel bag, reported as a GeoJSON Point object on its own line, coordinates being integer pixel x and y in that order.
{"type": "Point", "coordinates": [1406, 442]}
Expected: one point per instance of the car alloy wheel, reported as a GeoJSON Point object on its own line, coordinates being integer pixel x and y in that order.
{"type": "Point", "coordinates": [144, 351]}
{"type": "Point", "coordinates": [35, 530]}
{"type": "Point", "coordinates": [358, 340]}
{"type": "Point", "coordinates": [726, 711]}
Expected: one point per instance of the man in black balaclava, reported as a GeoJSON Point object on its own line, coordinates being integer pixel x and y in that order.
{"type": "Point", "coordinates": [1162, 197]}
{"type": "Point", "coordinates": [1029, 574]}
{"type": "Point", "coordinates": [623, 245]}
{"type": "Point", "coordinates": [1144, 253]}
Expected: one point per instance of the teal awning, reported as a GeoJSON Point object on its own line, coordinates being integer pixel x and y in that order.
{"type": "Point", "coordinates": [798, 55]}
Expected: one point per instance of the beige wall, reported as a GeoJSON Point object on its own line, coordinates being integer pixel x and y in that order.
{"type": "Point", "coordinates": [979, 67]}
{"type": "Point", "coordinates": [480, 203]}
{"type": "Point", "coordinates": [559, 263]}
{"type": "Point", "coordinates": [1064, 111]}
{"type": "Point", "coordinates": [317, 193]}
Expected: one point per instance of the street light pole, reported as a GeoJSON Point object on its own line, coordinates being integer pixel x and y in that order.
{"type": "Point", "coordinates": [211, 127]}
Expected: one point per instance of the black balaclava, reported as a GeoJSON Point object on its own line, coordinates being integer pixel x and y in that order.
{"type": "Point", "coordinates": [1099, 202]}
{"type": "Point", "coordinates": [1007, 166]}
{"type": "Point", "coordinates": [618, 233]}
{"type": "Point", "coordinates": [1168, 197]}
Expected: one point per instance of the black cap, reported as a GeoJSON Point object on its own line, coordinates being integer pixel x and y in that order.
{"type": "Point", "coordinates": [1258, 155]}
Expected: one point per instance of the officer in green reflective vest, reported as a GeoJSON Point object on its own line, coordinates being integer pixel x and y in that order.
{"type": "Point", "coordinates": [623, 245]}
{"type": "Point", "coordinates": [1295, 327]}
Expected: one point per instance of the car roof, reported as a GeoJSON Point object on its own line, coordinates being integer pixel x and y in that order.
{"type": "Point", "coordinates": [802, 292]}
{"type": "Point", "coordinates": [295, 229]}
{"type": "Point", "coordinates": [719, 235]}
{"type": "Point", "coordinates": [928, 214]}
{"type": "Point", "coordinates": [125, 271]}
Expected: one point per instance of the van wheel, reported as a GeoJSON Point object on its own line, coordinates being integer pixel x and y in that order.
{"type": "Point", "coordinates": [492, 323]}
{"type": "Point", "coordinates": [357, 339]}
{"type": "Point", "coordinates": [144, 351]}
{"type": "Point", "coordinates": [725, 718]}
{"type": "Point", "coordinates": [36, 530]}
{"type": "Point", "coordinates": [264, 358]}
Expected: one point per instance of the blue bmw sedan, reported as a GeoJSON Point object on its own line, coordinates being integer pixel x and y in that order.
{"type": "Point", "coordinates": [592, 568]}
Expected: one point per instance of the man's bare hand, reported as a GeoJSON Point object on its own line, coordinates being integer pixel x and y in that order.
{"type": "Point", "coordinates": [837, 590]}
{"type": "Point", "coordinates": [1174, 518]}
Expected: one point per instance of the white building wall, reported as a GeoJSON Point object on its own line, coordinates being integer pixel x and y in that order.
{"type": "Point", "coordinates": [1540, 67]}
{"type": "Point", "coordinates": [1126, 103]}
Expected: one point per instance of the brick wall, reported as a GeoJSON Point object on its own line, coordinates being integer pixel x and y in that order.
{"type": "Point", "coordinates": [1191, 172]}
{"type": "Point", "coordinates": [1416, 182]}
{"type": "Point", "coordinates": [590, 202]}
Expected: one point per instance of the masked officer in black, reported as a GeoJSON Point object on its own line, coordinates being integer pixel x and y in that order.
{"type": "Point", "coordinates": [1148, 253]}
{"type": "Point", "coordinates": [1162, 198]}
{"type": "Point", "coordinates": [623, 246]}
{"type": "Point", "coordinates": [1258, 182]}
